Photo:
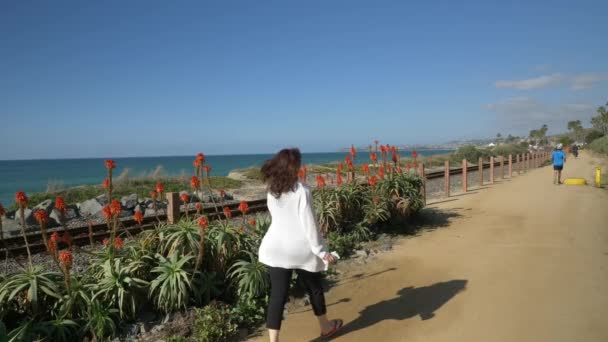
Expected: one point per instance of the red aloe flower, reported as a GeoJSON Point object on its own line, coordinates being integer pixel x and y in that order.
{"type": "Point", "coordinates": [41, 216]}
{"type": "Point", "coordinates": [301, 175]}
{"type": "Point", "coordinates": [160, 188]}
{"type": "Point", "coordinates": [203, 222]}
{"type": "Point", "coordinates": [394, 157]}
{"type": "Point", "coordinates": [2, 211]}
{"type": "Point", "coordinates": [200, 157]}
{"type": "Point", "coordinates": [415, 165]}
{"type": "Point", "coordinates": [399, 169]}
{"type": "Point", "coordinates": [381, 172]}
{"type": "Point", "coordinates": [196, 163]}
{"type": "Point", "coordinates": [118, 242]}
{"type": "Point", "coordinates": [60, 204]}
{"type": "Point", "coordinates": [67, 238]}
{"type": "Point", "coordinates": [320, 182]}
{"type": "Point", "coordinates": [353, 151]}
{"type": "Point", "coordinates": [53, 242]}
{"type": "Point", "coordinates": [207, 169]}
{"type": "Point", "coordinates": [138, 217]}
{"type": "Point", "coordinates": [115, 208]}
{"type": "Point", "coordinates": [414, 154]}
{"type": "Point", "coordinates": [393, 149]}
{"type": "Point", "coordinates": [382, 150]}
{"type": "Point", "coordinates": [153, 194]}
{"type": "Point", "coordinates": [66, 259]}
{"type": "Point", "coordinates": [243, 207]}
{"type": "Point", "coordinates": [194, 182]}
{"type": "Point", "coordinates": [198, 206]}
{"type": "Point", "coordinates": [107, 212]}
{"type": "Point", "coordinates": [373, 156]}
{"type": "Point", "coordinates": [340, 166]}
{"type": "Point", "coordinates": [21, 199]}
{"type": "Point", "coordinates": [227, 213]}
{"type": "Point", "coordinates": [110, 164]}
{"type": "Point", "coordinates": [241, 230]}
{"type": "Point", "coordinates": [252, 222]}
{"type": "Point", "coordinates": [365, 169]}
{"type": "Point", "coordinates": [184, 197]}
{"type": "Point", "coordinates": [106, 184]}
{"type": "Point", "coordinates": [372, 180]}
{"type": "Point", "coordinates": [338, 179]}
{"type": "Point", "coordinates": [106, 241]}
{"type": "Point", "coordinates": [408, 166]}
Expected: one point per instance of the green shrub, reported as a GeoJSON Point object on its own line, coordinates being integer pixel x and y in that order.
{"type": "Point", "coordinates": [253, 173]}
{"type": "Point", "coordinates": [600, 145]}
{"type": "Point", "coordinates": [470, 153]}
{"type": "Point", "coordinates": [509, 149]}
{"type": "Point", "coordinates": [593, 135]}
{"type": "Point", "coordinates": [344, 244]}
{"type": "Point", "coordinates": [250, 312]}
{"type": "Point", "coordinates": [214, 323]}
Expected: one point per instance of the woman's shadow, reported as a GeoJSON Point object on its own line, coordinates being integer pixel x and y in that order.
{"type": "Point", "coordinates": [411, 301]}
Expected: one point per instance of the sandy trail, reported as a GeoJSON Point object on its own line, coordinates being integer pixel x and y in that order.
{"type": "Point", "coordinates": [520, 260]}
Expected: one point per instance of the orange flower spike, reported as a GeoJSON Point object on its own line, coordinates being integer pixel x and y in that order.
{"type": "Point", "coordinates": [320, 182]}
{"type": "Point", "coordinates": [107, 212]}
{"type": "Point", "coordinates": [54, 242]}
{"type": "Point", "coordinates": [138, 217]}
{"type": "Point", "coordinates": [381, 172]}
{"type": "Point", "coordinates": [198, 206]}
{"type": "Point", "coordinates": [115, 208]}
{"type": "Point", "coordinates": [338, 179]}
{"type": "Point", "coordinates": [106, 184]}
{"type": "Point", "coordinates": [399, 169]}
{"type": "Point", "coordinates": [203, 222]}
{"type": "Point", "coordinates": [301, 174]}
{"type": "Point", "coordinates": [184, 197]}
{"type": "Point", "coordinates": [21, 199]}
{"type": "Point", "coordinates": [200, 157]}
{"type": "Point", "coordinates": [60, 204]}
{"type": "Point", "coordinates": [106, 241]}
{"type": "Point", "coordinates": [194, 182]}
{"type": "Point", "coordinates": [118, 242]}
{"type": "Point", "coordinates": [252, 222]}
{"type": "Point", "coordinates": [160, 188]}
{"type": "Point", "coordinates": [66, 259]}
{"type": "Point", "coordinates": [227, 213]}
{"type": "Point", "coordinates": [197, 163]}
{"type": "Point", "coordinates": [353, 151]}
{"type": "Point", "coordinates": [365, 169]}
{"type": "Point", "coordinates": [373, 156]}
{"type": "Point", "coordinates": [207, 169]}
{"type": "Point", "coordinates": [110, 164]}
{"type": "Point", "coordinates": [41, 216]}
{"type": "Point", "coordinates": [153, 194]}
{"type": "Point", "coordinates": [243, 207]}
{"type": "Point", "coordinates": [372, 180]}
{"type": "Point", "coordinates": [414, 154]}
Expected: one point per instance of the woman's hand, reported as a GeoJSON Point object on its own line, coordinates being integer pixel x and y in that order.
{"type": "Point", "coordinates": [330, 258]}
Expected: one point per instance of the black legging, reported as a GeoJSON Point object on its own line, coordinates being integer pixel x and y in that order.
{"type": "Point", "coordinates": [279, 281]}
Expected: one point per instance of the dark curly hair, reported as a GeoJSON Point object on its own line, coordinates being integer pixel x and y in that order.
{"type": "Point", "coordinates": [281, 172]}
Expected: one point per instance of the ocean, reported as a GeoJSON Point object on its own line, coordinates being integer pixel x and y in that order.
{"type": "Point", "coordinates": [36, 175]}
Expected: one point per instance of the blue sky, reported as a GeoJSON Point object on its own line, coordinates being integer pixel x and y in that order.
{"type": "Point", "coordinates": [145, 78]}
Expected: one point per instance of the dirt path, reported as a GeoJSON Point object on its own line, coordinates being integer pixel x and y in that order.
{"type": "Point", "coordinates": [521, 260]}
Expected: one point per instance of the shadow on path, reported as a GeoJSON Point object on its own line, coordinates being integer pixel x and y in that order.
{"type": "Point", "coordinates": [411, 301]}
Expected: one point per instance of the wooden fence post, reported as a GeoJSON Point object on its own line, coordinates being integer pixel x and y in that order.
{"type": "Point", "coordinates": [464, 175]}
{"type": "Point", "coordinates": [518, 165]}
{"type": "Point", "coordinates": [492, 170]}
{"type": "Point", "coordinates": [525, 156]}
{"type": "Point", "coordinates": [423, 176]}
{"type": "Point", "coordinates": [480, 171]}
{"type": "Point", "coordinates": [502, 167]}
{"type": "Point", "coordinates": [510, 166]}
{"type": "Point", "coordinates": [446, 178]}
{"type": "Point", "coordinates": [173, 207]}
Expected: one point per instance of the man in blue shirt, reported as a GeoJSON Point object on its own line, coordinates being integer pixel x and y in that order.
{"type": "Point", "coordinates": [559, 158]}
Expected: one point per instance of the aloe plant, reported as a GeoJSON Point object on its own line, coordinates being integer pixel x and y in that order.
{"type": "Point", "coordinates": [34, 283]}
{"type": "Point", "coordinates": [118, 288]}
{"type": "Point", "coordinates": [172, 286]}
{"type": "Point", "coordinates": [251, 276]}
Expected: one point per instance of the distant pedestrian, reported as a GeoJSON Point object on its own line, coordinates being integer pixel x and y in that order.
{"type": "Point", "coordinates": [559, 158]}
{"type": "Point", "coordinates": [293, 243]}
{"type": "Point", "coordinates": [575, 150]}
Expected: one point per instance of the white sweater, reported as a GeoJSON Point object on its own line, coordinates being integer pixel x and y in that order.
{"type": "Point", "coordinates": [293, 240]}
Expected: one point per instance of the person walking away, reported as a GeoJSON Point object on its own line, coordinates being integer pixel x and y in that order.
{"type": "Point", "coordinates": [575, 150]}
{"type": "Point", "coordinates": [293, 243]}
{"type": "Point", "coordinates": [559, 158]}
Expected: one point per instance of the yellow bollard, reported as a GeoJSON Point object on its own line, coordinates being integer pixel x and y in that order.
{"type": "Point", "coordinates": [598, 177]}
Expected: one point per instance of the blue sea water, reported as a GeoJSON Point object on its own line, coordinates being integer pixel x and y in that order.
{"type": "Point", "coordinates": [34, 175]}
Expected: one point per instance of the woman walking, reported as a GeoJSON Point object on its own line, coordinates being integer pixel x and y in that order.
{"type": "Point", "coordinates": [293, 242]}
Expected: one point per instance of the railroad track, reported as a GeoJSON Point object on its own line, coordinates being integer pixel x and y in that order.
{"type": "Point", "coordinates": [81, 235]}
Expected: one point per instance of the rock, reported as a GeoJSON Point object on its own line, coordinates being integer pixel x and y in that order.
{"type": "Point", "coordinates": [129, 202]}
{"type": "Point", "coordinates": [387, 246]}
{"type": "Point", "coordinates": [139, 208]}
{"type": "Point", "coordinates": [228, 197]}
{"type": "Point", "coordinates": [46, 205]}
{"type": "Point", "coordinates": [29, 217]}
{"type": "Point", "coordinates": [132, 330]}
{"type": "Point", "coordinates": [157, 328]}
{"type": "Point", "coordinates": [10, 214]}
{"type": "Point", "coordinates": [126, 213]}
{"type": "Point", "coordinates": [102, 199]}
{"type": "Point", "coordinates": [11, 227]}
{"type": "Point", "coordinates": [362, 253]}
{"type": "Point", "coordinates": [70, 213]}
{"type": "Point", "coordinates": [91, 207]}
{"type": "Point", "coordinates": [149, 212]}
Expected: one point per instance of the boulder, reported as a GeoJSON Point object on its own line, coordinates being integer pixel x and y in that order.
{"type": "Point", "coordinates": [46, 205]}
{"type": "Point", "coordinates": [91, 207]}
{"type": "Point", "coordinates": [29, 217]}
{"type": "Point", "coordinates": [10, 214]}
{"type": "Point", "coordinates": [130, 201]}
{"type": "Point", "coordinates": [11, 228]}
{"type": "Point", "coordinates": [70, 213]}
{"type": "Point", "coordinates": [102, 199]}
{"type": "Point", "coordinates": [139, 207]}
{"type": "Point", "coordinates": [149, 212]}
